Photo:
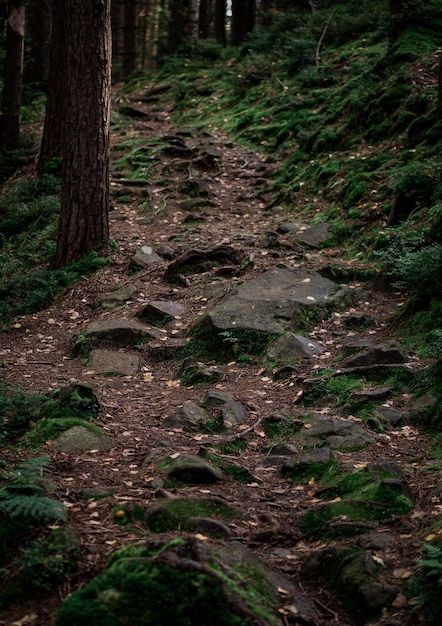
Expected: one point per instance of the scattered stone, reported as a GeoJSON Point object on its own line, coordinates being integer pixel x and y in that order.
{"type": "Point", "coordinates": [117, 332]}
{"type": "Point", "coordinates": [423, 404]}
{"type": "Point", "coordinates": [145, 256]}
{"type": "Point", "coordinates": [190, 417]}
{"type": "Point", "coordinates": [97, 493]}
{"type": "Point", "coordinates": [165, 350]}
{"type": "Point", "coordinates": [338, 434]}
{"type": "Point", "coordinates": [193, 470]}
{"type": "Point", "coordinates": [354, 340]}
{"type": "Point", "coordinates": [358, 321]}
{"type": "Point", "coordinates": [117, 298]}
{"type": "Point", "coordinates": [277, 299]}
{"type": "Point", "coordinates": [376, 541]}
{"type": "Point", "coordinates": [361, 500]}
{"type": "Point", "coordinates": [233, 586]}
{"type": "Point", "coordinates": [199, 261]}
{"type": "Point", "coordinates": [159, 312]}
{"type": "Point", "coordinates": [233, 414]}
{"type": "Point", "coordinates": [389, 414]}
{"type": "Point", "coordinates": [313, 236]}
{"type": "Point", "coordinates": [239, 556]}
{"type": "Point", "coordinates": [82, 438]}
{"type": "Point", "coordinates": [166, 251]}
{"type": "Point", "coordinates": [208, 526]}
{"type": "Point", "coordinates": [349, 570]}
{"type": "Point", "coordinates": [213, 398]}
{"type": "Point", "coordinates": [290, 348]}
{"type": "Point", "coordinates": [308, 464]}
{"type": "Point", "coordinates": [193, 373]}
{"type": "Point", "coordinates": [292, 227]}
{"type": "Point", "coordinates": [113, 362]}
{"type": "Point", "coordinates": [193, 204]}
{"type": "Point", "coordinates": [377, 595]}
{"type": "Point", "coordinates": [389, 467]}
{"type": "Point", "coordinates": [387, 353]}
{"type": "Point", "coordinates": [358, 398]}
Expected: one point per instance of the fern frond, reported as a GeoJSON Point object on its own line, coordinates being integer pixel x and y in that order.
{"type": "Point", "coordinates": [33, 508]}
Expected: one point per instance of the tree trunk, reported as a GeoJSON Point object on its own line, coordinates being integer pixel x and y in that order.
{"type": "Point", "coordinates": [83, 224]}
{"type": "Point", "coordinates": [13, 76]}
{"type": "Point", "coordinates": [53, 131]}
{"type": "Point", "coordinates": [130, 37]}
{"type": "Point", "coordinates": [193, 13]}
{"type": "Point", "coordinates": [220, 21]}
{"type": "Point", "coordinates": [203, 20]}
{"type": "Point", "coordinates": [439, 89]}
{"type": "Point", "coordinates": [117, 21]}
{"type": "Point", "coordinates": [243, 19]}
{"type": "Point", "coordinates": [176, 26]}
{"type": "Point", "coordinates": [39, 27]}
{"type": "Point", "coordinates": [397, 20]}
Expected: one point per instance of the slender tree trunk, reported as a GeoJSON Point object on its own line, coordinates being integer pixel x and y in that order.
{"type": "Point", "coordinates": [193, 19]}
{"type": "Point", "coordinates": [13, 76]}
{"type": "Point", "coordinates": [439, 89]}
{"type": "Point", "coordinates": [130, 37]}
{"type": "Point", "coordinates": [397, 21]}
{"type": "Point", "coordinates": [53, 131]}
{"type": "Point", "coordinates": [39, 27]}
{"type": "Point", "coordinates": [176, 26]}
{"type": "Point", "coordinates": [243, 19]}
{"type": "Point", "coordinates": [117, 20]}
{"type": "Point", "coordinates": [83, 224]}
{"type": "Point", "coordinates": [220, 21]}
{"type": "Point", "coordinates": [203, 20]}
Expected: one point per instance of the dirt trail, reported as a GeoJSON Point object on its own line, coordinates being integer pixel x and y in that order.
{"type": "Point", "coordinates": [37, 354]}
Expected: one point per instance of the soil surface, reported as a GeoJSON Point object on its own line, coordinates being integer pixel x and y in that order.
{"type": "Point", "coordinates": [36, 354]}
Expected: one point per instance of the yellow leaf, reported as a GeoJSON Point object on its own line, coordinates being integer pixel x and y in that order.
{"type": "Point", "coordinates": [311, 481]}
{"type": "Point", "coordinates": [430, 537]}
{"type": "Point", "coordinates": [201, 537]}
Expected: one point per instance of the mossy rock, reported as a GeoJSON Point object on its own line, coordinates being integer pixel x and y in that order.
{"type": "Point", "coordinates": [346, 569]}
{"type": "Point", "coordinates": [175, 514]}
{"type": "Point", "coordinates": [182, 582]}
{"type": "Point", "coordinates": [361, 499]}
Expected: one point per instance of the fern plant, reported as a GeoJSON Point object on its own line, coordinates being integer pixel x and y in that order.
{"type": "Point", "coordinates": [428, 586]}
{"type": "Point", "coordinates": [23, 500]}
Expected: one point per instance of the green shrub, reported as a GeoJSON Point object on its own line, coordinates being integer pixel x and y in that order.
{"type": "Point", "coordinates": [426, 588]}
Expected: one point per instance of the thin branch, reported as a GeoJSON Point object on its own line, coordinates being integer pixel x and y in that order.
{"type": "Point", "coordinates": [321, 39]}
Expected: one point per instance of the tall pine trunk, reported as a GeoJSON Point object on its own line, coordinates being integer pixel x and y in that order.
{"type": "Point", "coordinates": [84, 224]}
{"type": "Point", "coordinates": [13, 76]}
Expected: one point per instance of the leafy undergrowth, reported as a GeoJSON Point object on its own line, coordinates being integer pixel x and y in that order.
{"type": "Point", "coordinates": [354, 130]}
{"type": "Point", "coordinates": [28, 226]}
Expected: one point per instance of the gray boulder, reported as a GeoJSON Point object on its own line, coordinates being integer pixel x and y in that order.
{"type": "Point", "coordinates": [274, 302]}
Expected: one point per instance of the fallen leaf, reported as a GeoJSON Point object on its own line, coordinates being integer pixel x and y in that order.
{"type": "Point", "coordinates": [258, 430]}
{"type": "Point", "coordinates": [283, 591]}
{"type": "Point", "coordinates": [201, 537]}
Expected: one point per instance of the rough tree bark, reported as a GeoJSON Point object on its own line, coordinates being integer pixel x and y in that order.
{"type": "Point", "coordinates": [13, 76]}
{"type": "Point", "coordinates": [220, 21]}
{"type": "Point", "coordinates": [53, 131]}
{"type": "Point", "coordinates": [130, 38]}
{"type": "Point", "coordinates": [84, 224]}
{"type": "Point", "coordinates": [243, 19]}
{"type": "Point", "coordinates": [38, 27]}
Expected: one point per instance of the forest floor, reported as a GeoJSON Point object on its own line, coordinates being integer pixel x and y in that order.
{"type": "Point", "coordinates": [36, 354]}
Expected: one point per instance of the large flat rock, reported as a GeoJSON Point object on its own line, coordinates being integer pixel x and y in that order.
{"type": "Point", "coordinates": [275, 301]}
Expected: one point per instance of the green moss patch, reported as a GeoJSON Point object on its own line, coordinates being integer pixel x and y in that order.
{"type": "Point", "coordinates": [180, 582]}
{"type": "Point", "coordinates": [174, 515]}
{"type": "Point", "coordinates": [361, 499]}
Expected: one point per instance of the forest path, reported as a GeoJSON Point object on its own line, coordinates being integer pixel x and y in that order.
{"type": "Point", "coordinates": [226, 186]}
